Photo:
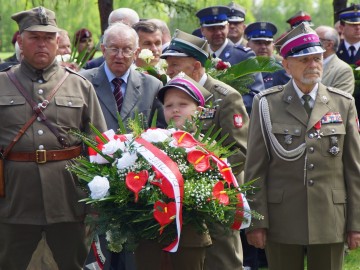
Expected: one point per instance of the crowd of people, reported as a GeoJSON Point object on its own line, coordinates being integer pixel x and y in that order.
{"type": "Point", "coordinates": [296, 131]}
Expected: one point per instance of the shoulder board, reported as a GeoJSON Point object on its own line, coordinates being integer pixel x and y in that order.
{"type": "Point", "coordinates": [340, 92]}
{"type": "Point", "coordinates": [242, 48]}
{"type": "Point", "coordinates": [272, 90]}
{"type": "Point", "coordinates": [220, 89]}
{"type": "Point", "coordinates": [5, 68]}
{"type": "Point", "coordinates": [74, 72]}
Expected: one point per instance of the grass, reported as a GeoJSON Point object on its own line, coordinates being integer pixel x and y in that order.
{"type": "Point", "coordinates": [352, 260]}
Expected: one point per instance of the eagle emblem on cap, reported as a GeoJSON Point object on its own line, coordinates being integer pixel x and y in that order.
{"type": "Point", "coordinates": [181, 75]}
{"type": "Point", "coordinates": [43, 16]}
{"type": "Point", "coordinates": [263, 25]}
{"type": "Point", "coordinates": [215, 10]}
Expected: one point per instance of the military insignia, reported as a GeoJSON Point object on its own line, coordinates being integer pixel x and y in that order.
{"type": "Point", "coordinates": [207, 113]}
{"type": "Point", "coordinates": [238, 120]}
{"type": "Point", "coordinates": [331, 117]}
{"type": "Point", "coordinates": [288, 139]}
{"type": "Point", "coordinates": [317, 128]}
{"type": "Point", "coordinates": [215, 10]}
{"type": "Point", "coordinates": [324, 99]}
{"type": "Point", "coordinates": [44, 19]}
{"type": "Point", "coordinates": [289, 98]}
{"type": "Point", "coordinates": [334, 146]}
{"type": "Point", "coordinates": [227, 55]}
{"type": "Point", "coordinates": [181, 75]}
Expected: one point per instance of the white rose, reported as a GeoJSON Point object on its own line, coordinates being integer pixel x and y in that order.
{"type": "Point", "coordinates": [155, 135]}
{"type": "Point", "coordinates": [99, 187]}
{"type": "Point", "coordinates": [112, 146]}
{"type": "Point", "coordinates": [146, 55]}
{"type": "Point", "coordinates": [63, 58]}
{"type": "Point", "coordinates": [126, 160]}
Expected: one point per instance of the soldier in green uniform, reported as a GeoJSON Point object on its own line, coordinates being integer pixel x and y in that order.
{"type": "Point", "coordinates": [187, 53]}
{"type": "Point", "coordinates": [40, 102]}
{"type": "Point", "coordinates": [304, 147]}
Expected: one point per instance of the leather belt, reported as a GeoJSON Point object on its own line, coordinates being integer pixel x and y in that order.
{"type": "Point", "coordinates": [43, 156]}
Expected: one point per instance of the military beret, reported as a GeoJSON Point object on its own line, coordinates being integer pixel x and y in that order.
{"type": "Point", "coordinates": [187, 85]}
{"type": "Point", "coordinates": [36, 19]}
{"type": "Point", "coordinates": [350, 14]}
{"type": "Point", "coordinates": [213, 16]}
{"type": "Point", "coordinates": [300, 41]}
{"type": "Point", "coordinates": [82, 33]}
{"type": "Point", "coordinates": [185, 45]}
{"type": "Point", "coordinates": [237, 13]}
{"type": "Point", "coordinates": [298, 18]}
{"type": "Point", "coordinates": [260, 31]}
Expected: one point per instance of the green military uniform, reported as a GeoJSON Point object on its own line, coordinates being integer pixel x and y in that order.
{"type": "Point", "coordinates": [309, 187]}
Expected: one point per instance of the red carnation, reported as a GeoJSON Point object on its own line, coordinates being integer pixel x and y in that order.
{"type": "Point", "coordinates": [221, 65]}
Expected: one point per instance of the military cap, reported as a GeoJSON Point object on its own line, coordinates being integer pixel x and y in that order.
{"type": "Point", "coordinates": [185, 45]}
{"type": "Point", "coordinates": [237, 13]}
{"type": "Point", "coordinates": [298, 18]}
{"type": "Point", "coordinates": [260, 31]}
{"type": "Point", "coordinates": [214, 15]}
{"type": "Point", "coordinates": [350, 15]}
{"type": "Point", "coordinates": [81, 34]}
{"type": "Point", "coordinates": [300, 41]}
{"type": "Point", "coordinates": [36, 19]}
{"type": "Point", "coordinates": [185, 84]}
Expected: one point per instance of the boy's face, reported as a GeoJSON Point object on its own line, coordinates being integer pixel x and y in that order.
{"type": "Point", "coordinates": [178, 106]}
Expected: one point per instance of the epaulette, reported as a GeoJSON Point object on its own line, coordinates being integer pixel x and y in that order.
{"type": "Point", "coordinates": [6, 68]}
{"type": "Point", "coordinates": [74, 72]}
{"type": "Point", "coordinates": [272, 90]}
{"type": "Point", "coordinates": [340, 92]}
{"type": "Point", "coordinates": [242, 48]}
{"type": "Point", "coordinates": [220, 89]}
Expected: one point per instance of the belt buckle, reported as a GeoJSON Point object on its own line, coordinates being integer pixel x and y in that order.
{"type": "Point", "coordinates": [40, 156]}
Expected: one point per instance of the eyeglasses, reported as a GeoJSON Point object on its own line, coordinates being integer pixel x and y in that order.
{"type": "Point", "coordinates": [323, 40]}
{"type": "Point", "coordinates": [127, 52]}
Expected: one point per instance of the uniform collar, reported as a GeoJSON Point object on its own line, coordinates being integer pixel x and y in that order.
{"type": "Point", "coordinates": [33, 73]}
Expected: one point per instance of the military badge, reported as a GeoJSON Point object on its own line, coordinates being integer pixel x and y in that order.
{"type": "Point", "coordinates": [207, 113]}
{"type": "Point", "coordinates": [334, 146]}
{"type": "Point", "coordinates": [288, 139]}
{"type": "Point", "coordinates": [227, 55]}
{"type": "Point", "coordinates": [238, 120]}
{"type": "Point", "coordinates": [317, 128]}
{"type": "Point", "coordinates": [331, 117]}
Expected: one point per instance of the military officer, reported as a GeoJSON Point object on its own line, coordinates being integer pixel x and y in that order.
{"type": "Point", "coordinates": [308, 178]}
{"type": "Point", "coordinates": [40, 103]}
{"type": "Point", "coordinates": [261, 40]}
{"type": "Point", "coordinates": [187, 53]}
{"type": "Point", "coordinates": [236, 18]}
{"type": "Point", "coordinates": [350, 26]}
{"type": "Point", "coordinates": [215, 28]}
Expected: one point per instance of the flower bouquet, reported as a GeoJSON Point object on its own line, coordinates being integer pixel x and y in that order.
{"type": "Point", "coordinates": [149, 183]}
{"type": "Point", "coordinates": [158, 71]}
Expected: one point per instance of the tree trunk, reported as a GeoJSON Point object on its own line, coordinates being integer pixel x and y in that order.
{"type": "Point", "coordinates": [105, 8]}
{"type": "Point", "coordinates": [338, 5]}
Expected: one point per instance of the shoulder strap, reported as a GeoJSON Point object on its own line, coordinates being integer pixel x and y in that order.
{"type": "Point", "coordinates": [38, 108]}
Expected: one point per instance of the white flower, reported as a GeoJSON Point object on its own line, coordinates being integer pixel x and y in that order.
{"type": "Point", "coordinates": [126, 160]}
{"type": "Point", "coordinates": [146, 55]}
{"type": "Point", "coordinates": [112, 146]}
{"type": "Point", "coordinates": [99, 187]}
{"type": "Point", "coordinates": [156, 135]}
{"type": "Point", "coordinates": [63, 58]}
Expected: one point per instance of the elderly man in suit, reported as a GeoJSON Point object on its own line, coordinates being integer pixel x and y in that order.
{"type": "Point", "coordinates": [122, 89]}
{"type": "Point", "coordinates": [308, 186]}
{"type": "Point", "coordinates": [215, 28]}
{"type": "Point", "coordinates": [336, 73]}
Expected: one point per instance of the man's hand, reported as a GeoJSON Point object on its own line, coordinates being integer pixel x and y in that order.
{"type": "Point", "coordinates": [353, 240]}
{"type": "Point", "coordinates": [257, 238]}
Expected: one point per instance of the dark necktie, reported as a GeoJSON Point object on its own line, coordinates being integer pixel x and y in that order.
{"type": "Point", "coordinates": [352, 52]}
{"type": "Point", "coordinates": [213, 55]}
{"type": "Point", "coordinates": [117, 92]}
{"type": "Point", "coordinates": [307, 106]}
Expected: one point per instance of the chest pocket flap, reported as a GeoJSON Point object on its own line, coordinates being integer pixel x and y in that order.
{"type": "Point", "coordinates": [290, 129]}
{"type": "Point", "coordinates": [333, 129]}
{"type": "Point", "coordinates": [12, 100]}
{"type": "Point", "coordinates": [76, 102]}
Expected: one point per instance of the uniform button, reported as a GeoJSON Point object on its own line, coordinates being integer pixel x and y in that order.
{"type": "Point", "coordinates": [297, 131]}
{"type": "Point", "coordinates": [311, 149]}
{"type": "Point", "coordinates": [40, 81]}
{"type": "Point", "coordinates": [70, 103]}
{"type": "Point", "coordinates": [311, 182]}
{"type": "Point", "coordinates": [286, 131]}
{"type": "Point", "coordinates": [40, 91]}
{"type": "Point", "coordinates": [12, 101]}
{"type": "Point", "coordinates": [38, 118]}
{"type": "Point", "coordinates": [41, 147]}
{"type": "Point", "coordinates": [40, 132]}
{"type": "Point", "coordinates": [311, 166]}
{"type": "Point", "coordinates": [333, 130]}
{"type": "Point", "coordinates": [311, 135]}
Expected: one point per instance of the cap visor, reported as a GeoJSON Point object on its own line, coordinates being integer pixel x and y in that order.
{"type": "Point", "coordinates": [162, 91]}
{"type": "Point", "coordinates": [214, 24]}
{"type": "Point", "coordinates": [173, 53]}
{"type": "Point", "coordinates": [239, 19]}
{"type": "Point", "coordinates": [42, 28]}
{"type": "Point", "coordinates": [308, 51]}
{"type": "Point", "coordinates": [262, 38]}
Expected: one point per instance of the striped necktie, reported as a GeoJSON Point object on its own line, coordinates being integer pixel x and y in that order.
{"type": "Point", "coordinates": [117, 92]}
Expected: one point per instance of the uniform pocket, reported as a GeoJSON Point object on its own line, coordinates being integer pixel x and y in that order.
{"type": "Point", "coordinates": [332, 139]}
{"type": "Point", "coordinates": [12, 110]}
{"type": "Point", "coordinates": [69, 110]}
{"type": "Point", "coordinates": [288, 135]}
